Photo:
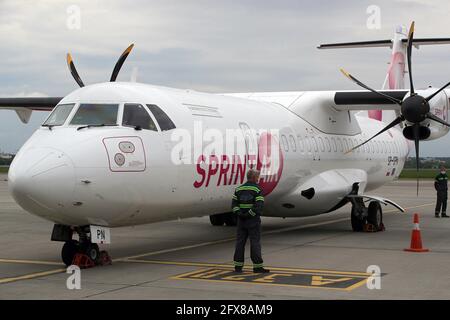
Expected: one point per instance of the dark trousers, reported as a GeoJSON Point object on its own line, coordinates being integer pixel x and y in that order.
{"type": "Point", "coordinates": [441, 202]}
{"type": "Point", "coordinates": [248, 228]}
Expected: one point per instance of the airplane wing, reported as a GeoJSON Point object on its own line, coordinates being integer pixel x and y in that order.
{"type": "Point", "coordinates": [24, 106]}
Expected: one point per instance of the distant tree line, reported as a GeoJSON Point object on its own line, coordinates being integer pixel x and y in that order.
{"type": "Point", "coordinates": [428, 163]}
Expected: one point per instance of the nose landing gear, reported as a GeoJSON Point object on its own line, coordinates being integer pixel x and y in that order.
{"type": "Point", "coordinates": [83, 252]}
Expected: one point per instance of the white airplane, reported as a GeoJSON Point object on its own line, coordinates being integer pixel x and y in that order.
{"type": "Point", "coordinates": [104, 157]}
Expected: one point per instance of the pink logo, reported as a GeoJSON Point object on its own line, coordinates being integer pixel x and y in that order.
{"type": "Point", "coordinates": [270, 162]}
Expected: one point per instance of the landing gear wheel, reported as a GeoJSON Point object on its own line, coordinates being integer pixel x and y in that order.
{"type": "Point", "coordinates": [357, 222]}
{"type": "Point", "coordinates": [375, 215]}
{"type": "Point", "coordinates": [93, 252]}
{"type": "Point", "coordinates": [69, 250]}
{"type": "Point", "coordinates": [217, 219]}
{"type": "Point", "coordinates": [230, 219]}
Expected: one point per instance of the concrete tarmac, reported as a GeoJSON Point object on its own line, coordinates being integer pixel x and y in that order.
{"type": "Point", "coordinates": [310, 258]}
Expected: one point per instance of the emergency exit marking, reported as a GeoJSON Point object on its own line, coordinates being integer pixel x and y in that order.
{"type": "Point", "coordinates": [332, 280]}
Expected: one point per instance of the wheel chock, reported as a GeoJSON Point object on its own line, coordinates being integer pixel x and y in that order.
{"type": "Point", "coordinates": [105, 259]}
{"type": "Point", "coordinates": [83, 261]}
{"type": "Point", "coordinates": [368, 227]}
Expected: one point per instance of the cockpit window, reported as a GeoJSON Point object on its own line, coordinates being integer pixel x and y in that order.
{"type": "Point", "coordinates": [59, 115]}
{"type": "Point", "coordinates": [96, 114]}
{"type": "Point", "coordinates": [163, 119]}
{"type": "Point", "coordinates": [135, 115]}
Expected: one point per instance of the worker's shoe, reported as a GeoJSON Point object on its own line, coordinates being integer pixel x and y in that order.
{"type": "Point", "coordinates": [436, 215]}
{"type": "Point", "coordinates": [260, 270]}
{"type": "Point", "coordinates": [444, 215]}
{"type": "Point", "coordinates": [238, 269]}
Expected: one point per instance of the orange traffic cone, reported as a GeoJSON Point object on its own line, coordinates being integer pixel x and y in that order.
{"type": "Point", "coordinates": [416, 239]}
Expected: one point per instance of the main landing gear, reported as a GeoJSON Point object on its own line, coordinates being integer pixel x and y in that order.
{"type": "Point", "coordinates": [369, 219]}
{"type": "Point", "coordinates": [81, 252]}
{"type": "Point", "coordinates": [229, 219]}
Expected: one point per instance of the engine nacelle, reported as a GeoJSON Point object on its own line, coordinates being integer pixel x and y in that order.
{"type": "Point", "coordinates": [431, 130]}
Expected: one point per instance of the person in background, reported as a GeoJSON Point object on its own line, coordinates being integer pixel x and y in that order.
{"type": "Point", "coordinates": [440, 184]}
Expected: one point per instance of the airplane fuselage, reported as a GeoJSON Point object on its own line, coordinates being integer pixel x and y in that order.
{"type": "Point", "coordinates": [75, 177]}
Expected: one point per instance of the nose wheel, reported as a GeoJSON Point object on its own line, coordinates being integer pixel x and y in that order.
{"type": "Point", "coordinates": [83, 253]}
{"type": "Point", "coordinates": [69, 250]}
{"type": "Point", "coordinates": [73, 247]}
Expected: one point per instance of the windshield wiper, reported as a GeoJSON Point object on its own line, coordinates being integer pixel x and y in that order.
{"type": "Point", "coordinates": [49, 126]}
{"type": "Point", "coordinates": [97, 125]}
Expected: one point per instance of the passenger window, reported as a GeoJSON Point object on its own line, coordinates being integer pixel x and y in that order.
{"type": "Point", "coordinates": [300, 144]}
{"type": "Point", "coordinates": [285, 143]}
{"type": "Point", "coordinates": [59, 115]}
{"type": "Point", "coordinates": [308, 144]}
{"type": "Point", "coordinates": [334, 144]}
{"type": "Point", "coordinates": [357, 143]}
{"type": "Point", "coordinates": [96, 114]}
{"type": "Point", "coordinates": [340, 144]}
{"type": "Point", "coordinates": [328, 144]}
{"type": "Point", "coordinates": [322, 146]}
{"type": "Point", "coordinates": [346, 145]}
{"type": "Point", "coordinates": [135, 115]}
{"type": "Point", "coordinates": [293, 144]}
{"type": "Point", "coordinates": [161, 117]}
{"type": "Point", "coordinates": [316, 147]}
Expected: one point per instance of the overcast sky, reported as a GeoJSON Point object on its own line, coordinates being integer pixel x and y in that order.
{"type": "Point", "coordinates": [212, 46]}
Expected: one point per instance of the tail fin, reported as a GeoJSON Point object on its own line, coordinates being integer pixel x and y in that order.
{"type": "Point", "coordinates": [395, 77]}
{"type": "Point", "coordinates": [396, 72]}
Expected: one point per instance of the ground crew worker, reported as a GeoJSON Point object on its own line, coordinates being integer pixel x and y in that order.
{"type": "Point", "coordinates": [440, 184]}
{"type": "Point", "coordinates": [248, 204]}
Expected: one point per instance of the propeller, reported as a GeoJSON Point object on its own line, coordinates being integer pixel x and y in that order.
{"type": "Point", "coordinates": [120, 62]}
{"type": "Point", "coordinates": [414, 108]}
{"type": "Point", "coordinates": [114, 74]}
{"type": "Point", "coordinates": [74, 71]}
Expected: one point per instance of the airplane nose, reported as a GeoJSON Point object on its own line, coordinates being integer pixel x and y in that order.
{"type": "Point", "coordinates": [42, 181]}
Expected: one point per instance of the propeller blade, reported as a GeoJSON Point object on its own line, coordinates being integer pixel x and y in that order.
{"type": "Point", "coordinates": [389, 126]}
{"type": "Point", "coordinates": [73, 70]}
{"type": "Point", "coordinates": [120, 62]}
{"type": "Point", "coordinates": [416, 133]}
{"type": "Point", "coordinates": [437, 119]}
{"type": "Point", "coordinates": [431, 97]}
{"type": "Point", "coordinates": [352, 78]}
{"type": "Point", "coordinates": [408, 52]}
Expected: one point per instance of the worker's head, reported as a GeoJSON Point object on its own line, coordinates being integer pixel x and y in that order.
{"type": "Point", "coordinates": [253, 175]}
{"type": "Point", "coordinates": [442, 168]}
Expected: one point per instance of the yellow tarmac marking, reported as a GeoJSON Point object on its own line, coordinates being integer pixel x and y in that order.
{"type": "Point", "coordinates": [31, 276]}
{"type": "Point", "coordinates": [218, 265]}
{"type": "Point", "coordinates": [304, 280]}
{"type": "Point", "coordinates": [50, 263]}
